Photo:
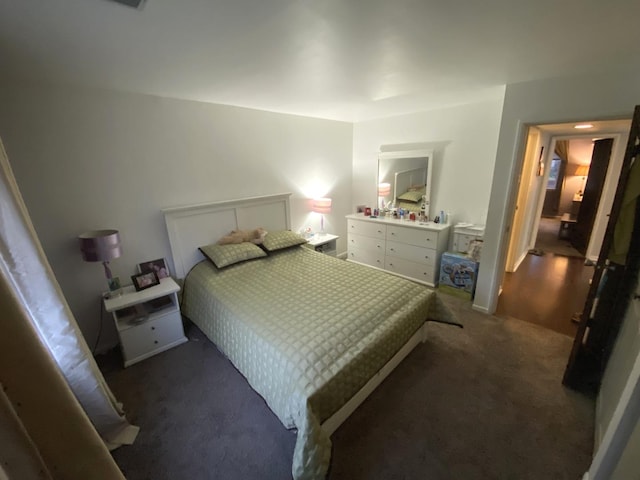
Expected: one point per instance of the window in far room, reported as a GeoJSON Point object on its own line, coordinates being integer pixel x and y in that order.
{"type": "Point", "coordinates": [554, 173]}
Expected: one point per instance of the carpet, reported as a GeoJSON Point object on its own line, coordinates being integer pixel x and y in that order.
{"type": "Point", "coordinates": [483, 402]}
{"type": "Point", "coordinates": [547, 240]}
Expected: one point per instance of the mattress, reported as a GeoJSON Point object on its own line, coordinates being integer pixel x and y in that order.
{"type": "Point", "coordinates": [307, 331]}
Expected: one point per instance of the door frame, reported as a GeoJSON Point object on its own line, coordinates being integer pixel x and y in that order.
{"type": "Point", "coordinates": [607, 194]}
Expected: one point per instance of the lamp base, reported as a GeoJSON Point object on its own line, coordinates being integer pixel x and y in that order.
{"type": "Point", "coordinates": [115, 290]}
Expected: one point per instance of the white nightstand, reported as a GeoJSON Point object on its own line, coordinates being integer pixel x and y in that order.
{"type": "Point", "coordinates": [148, 321]}
{"type": "Point", "coordinates": [324, 243]}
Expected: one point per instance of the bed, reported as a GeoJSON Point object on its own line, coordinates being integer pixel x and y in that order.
{"type": "Point", "coordinates": [409, 187]}
{"type": "Point", "coordinates": [312, 334]}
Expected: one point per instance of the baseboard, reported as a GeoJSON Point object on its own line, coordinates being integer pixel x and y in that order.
{"type": "Point", "coordinates": [520, 260]}
{"type": "Point", "coordinates": [342, 256]}
{"type": "Point", "coordinates": [480, 309]}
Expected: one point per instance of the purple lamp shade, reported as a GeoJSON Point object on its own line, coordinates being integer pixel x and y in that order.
{"type": "Point", "coordinates": [100, 246]}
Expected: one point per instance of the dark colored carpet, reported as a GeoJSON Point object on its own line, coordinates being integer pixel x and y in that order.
{"type": "Point", "coordinates": [547, 240]}
{"type": "Point", "coordinates": [483, 402]}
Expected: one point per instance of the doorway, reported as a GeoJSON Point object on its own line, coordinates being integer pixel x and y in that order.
{"type": "Point", "coordinates": [546, 279]}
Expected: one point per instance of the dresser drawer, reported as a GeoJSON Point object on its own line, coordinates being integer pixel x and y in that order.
{"type": "Point", "coordinates": [418, 271]}
{"type": "Point", "coordinates": [373, 258]}
{"type": "Point", "coordinates": [413, 236]}
{"type": "Point", "coordinates": [412, 253]}
{"type": "Point", "coordinates": [152, 335]}
{"type": "Point", "coordinates": [366, 243]}
{"type": "Point", "coordinates": [369, 229]}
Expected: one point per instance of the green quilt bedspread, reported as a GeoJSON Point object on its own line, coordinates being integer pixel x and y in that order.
{"type": "Point", "coordinates": [307, 331]}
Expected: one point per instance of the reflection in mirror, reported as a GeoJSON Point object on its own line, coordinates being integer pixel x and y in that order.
{"type": "Point", "coordinates": [404, 181]}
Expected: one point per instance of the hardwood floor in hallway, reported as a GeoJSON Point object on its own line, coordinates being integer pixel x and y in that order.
{"type": "Point", "coordinates": [546, 290]}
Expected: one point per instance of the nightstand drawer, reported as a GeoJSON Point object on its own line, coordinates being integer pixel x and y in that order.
{"type": "Point", "coordinates": [366, 243]}
{"type": "Point", "coordinates": [423, 255]}
{"type": "Point", "coordinates": [375, 259]}
{"type": "Point", "coordinates": [152, 335]}
{"type": "Point", "coordinates": [413, 236]}
{"type": "Point", "coordinates": [369, 229]}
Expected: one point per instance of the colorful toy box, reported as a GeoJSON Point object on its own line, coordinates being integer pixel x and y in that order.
{"type": "Point", "coordinates": [458, 274]}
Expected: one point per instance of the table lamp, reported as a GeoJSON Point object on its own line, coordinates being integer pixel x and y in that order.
{"type": "Point", "coordinates": [321, 206]}
{"type": "Point", "coordinates": [384, 189]}
{"type": "Point", "coordinates": [582, 171]}
{"type": "Point", "coordinates": [102, 246]}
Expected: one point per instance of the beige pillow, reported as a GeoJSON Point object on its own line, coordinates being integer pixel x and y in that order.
{"type": "Point", "coordinates": [411, 196]}
{"type": "Point", "coordinates": [230, 254]}
{"type": "Point", "coordinates": [282, 239]}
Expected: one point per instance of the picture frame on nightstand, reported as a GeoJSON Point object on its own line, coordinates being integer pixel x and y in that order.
{"type": "Point", "coordinates": [145, 280]}
{"type": "Point", "coordinates": [159, 266]}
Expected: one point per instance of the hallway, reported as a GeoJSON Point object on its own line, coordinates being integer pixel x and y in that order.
{"type": "Point", "coordinates": [551, 240]}
{"type": "Point", "coordinates": [550, 285]}
{"type": "Point", "coordinates": [546, 290]}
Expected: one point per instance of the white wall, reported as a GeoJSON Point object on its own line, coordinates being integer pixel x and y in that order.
{"type": "Point", "coordinates": [528, 200]}
{"type": "Point", "coordinates": [623, 356]}
{"type": "Point", "coordinates": [92, 159]}
{"type": "Point", "coordinates": [596, 97]}
{"type": "Point", "coordinates": [629, 463]}
{"type": "Point", "coordinates": [618, 405]}
{"type": "Point", "coordinates": [463, 139]}
{"type": "Point", "coordinates": [580, 151]}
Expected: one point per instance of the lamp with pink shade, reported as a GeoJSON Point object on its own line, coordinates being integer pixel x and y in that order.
{"type": "Point", "coordinates": [321, 206]}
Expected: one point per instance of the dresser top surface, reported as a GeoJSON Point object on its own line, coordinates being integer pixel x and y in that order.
{"type": "Point", "coordinates": [437, 227]}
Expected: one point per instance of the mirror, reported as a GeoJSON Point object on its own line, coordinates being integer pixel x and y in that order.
{"type": "Point", "coordinates": [404, 180]}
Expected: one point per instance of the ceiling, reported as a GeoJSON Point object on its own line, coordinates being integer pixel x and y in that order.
{"type": "Point", "coordinates": [348, 60]}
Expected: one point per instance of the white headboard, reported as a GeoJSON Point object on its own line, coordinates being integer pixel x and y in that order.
{"type": "Point", "coordinates": [193, 226]}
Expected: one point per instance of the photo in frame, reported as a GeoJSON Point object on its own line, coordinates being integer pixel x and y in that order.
{"type": "Point", "coordinates": [145, 280]}
{"type": "Point", "coordinates": [158, 266]}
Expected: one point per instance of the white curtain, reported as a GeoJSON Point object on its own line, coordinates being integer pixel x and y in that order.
{"type": "Point", "coordinates": [24, 267]}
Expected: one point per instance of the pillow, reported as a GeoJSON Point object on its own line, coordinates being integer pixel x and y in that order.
{"type": "Point", "coordinates": [225, 255]}
{"type": "Point", "coordinates": [411, 197]}
{"type": "Point", "coordinates": [282, 239]}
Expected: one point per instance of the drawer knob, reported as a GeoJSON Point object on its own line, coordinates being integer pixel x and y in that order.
{"type": "Point", "coordinates": [393, 233]}
{"type": "Point", "coordinates": [155, 341]}
{"type": "Point", "coordinates": [379, 231]}
{"type": "Point", "coordinates": [392, 249]}
{"type": "Point", "coordinates": [153, 328]}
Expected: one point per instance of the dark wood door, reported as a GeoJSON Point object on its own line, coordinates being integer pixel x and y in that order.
{"type": "Point", "coordinates": [592, 192]}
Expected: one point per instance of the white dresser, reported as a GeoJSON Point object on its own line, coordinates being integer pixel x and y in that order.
{"type": "Point", "coordinates": [406, 248]}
